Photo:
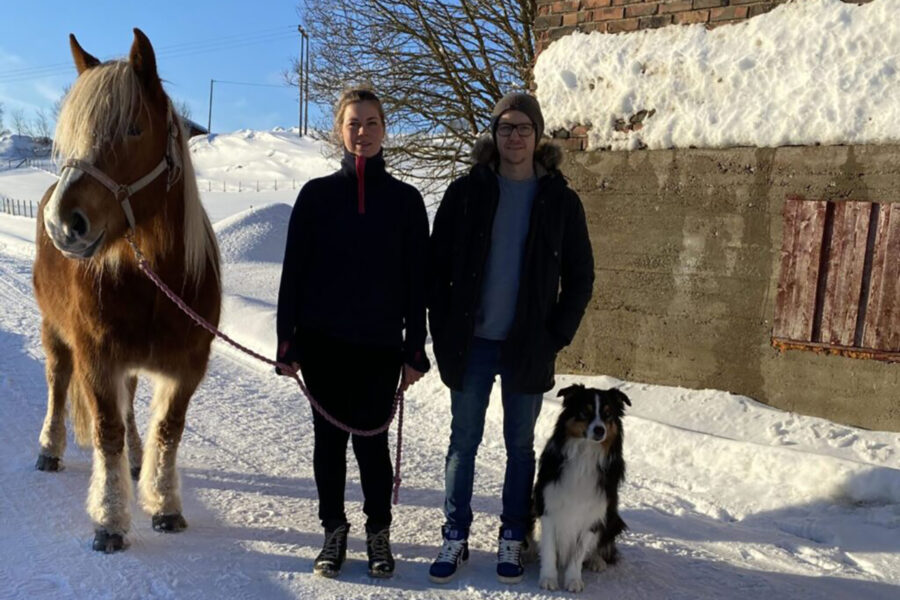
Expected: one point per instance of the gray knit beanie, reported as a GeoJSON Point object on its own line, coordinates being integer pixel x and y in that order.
{"type": "Point", "coordinates": [522, 102]}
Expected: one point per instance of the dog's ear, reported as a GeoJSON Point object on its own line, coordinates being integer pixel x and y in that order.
{"type": "Point", "coordinates": [620, 397]}
{"type": "Point", "coordinates": [567, 392]}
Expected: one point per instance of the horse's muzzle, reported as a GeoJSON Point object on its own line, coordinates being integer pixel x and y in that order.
{"type": "Point", "coordinates": [73, 236]}
{"type": "Point", "coordinates": [75, 247]}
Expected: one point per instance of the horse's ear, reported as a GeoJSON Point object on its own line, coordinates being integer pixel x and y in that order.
{"type": "Point", "coordinates": [142, 58]}
{"type": "Point", "coordinates": [83, 60]}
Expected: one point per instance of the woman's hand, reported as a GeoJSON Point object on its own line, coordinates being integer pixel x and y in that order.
{"type": "Point", "coordinates": [410, 376]}
{"type": "Point", "coordinates": [295, 366]}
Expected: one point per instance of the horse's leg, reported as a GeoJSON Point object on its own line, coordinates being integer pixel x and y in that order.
{"type": "Point", "coordinates": [132, 435]}
{"type": "Point", "coordinates": [109, 496]}
{"type": "Point", "coordinates": [159, 484]}
{"type": "Point", "coordinates": [59, 373]}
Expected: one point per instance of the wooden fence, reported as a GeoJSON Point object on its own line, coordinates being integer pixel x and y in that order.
{"type": "Point", "coordinates": [253, 185]}
{"type": "Point", "coordinates": [19, 208]}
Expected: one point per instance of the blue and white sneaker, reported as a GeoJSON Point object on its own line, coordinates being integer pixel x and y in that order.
{"type": "Point", "coordinates": [453, 555]}
{"type": "Point", "coordinates": [509, 555]}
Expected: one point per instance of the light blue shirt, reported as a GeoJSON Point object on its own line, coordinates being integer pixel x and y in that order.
{"type": "Point", "coordinates": [500, 288]}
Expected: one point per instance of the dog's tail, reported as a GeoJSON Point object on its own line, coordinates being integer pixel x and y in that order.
{"type": "Point", "coordinates": [531, 552]}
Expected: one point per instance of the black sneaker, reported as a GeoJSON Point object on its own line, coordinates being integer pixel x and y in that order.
{"type": "Point", "coordinates": [509, 555]}
{"type": "Point", "coordinates": [453, 555]}
{"type": "Point", "coordinates": [329, 561]}
{"type": "Point", "coordinates": [378, 548]}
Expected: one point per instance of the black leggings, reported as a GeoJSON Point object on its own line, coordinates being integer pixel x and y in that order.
{"type": "Point", "coordinates": [355, 383]}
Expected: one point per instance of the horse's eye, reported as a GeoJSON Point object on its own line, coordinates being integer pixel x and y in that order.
{"type": "Point", "coordinates": [134, 130]}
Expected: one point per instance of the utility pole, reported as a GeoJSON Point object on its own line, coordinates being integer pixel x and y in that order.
{"type": "Point", "coordinates": [209, 121]}
{"type": "Point", "coordinates": [306, 91]}
{"type": "Point", "coordinates": [301, 70]}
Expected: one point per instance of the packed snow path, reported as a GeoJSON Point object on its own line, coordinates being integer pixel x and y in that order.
{"type": "Point", "coordinates": [725, 498]}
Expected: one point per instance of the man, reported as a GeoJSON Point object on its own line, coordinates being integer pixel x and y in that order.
{"type": "Point", "coordinates": [512, 272]}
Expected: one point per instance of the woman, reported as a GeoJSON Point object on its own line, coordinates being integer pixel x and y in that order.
{"type": "Point", "coordinates": [353, 280]}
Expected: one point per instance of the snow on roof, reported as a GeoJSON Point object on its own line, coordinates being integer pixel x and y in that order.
{"type": "Point", "coordinates": [810, 72]}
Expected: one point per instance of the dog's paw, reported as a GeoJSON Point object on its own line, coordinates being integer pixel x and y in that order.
{"type": "Point", "coordinates": [549, 583]}
{"type": "Point", "coordinates": [575, 585]}
{"type": "Point", "coordinates": [595, 563]}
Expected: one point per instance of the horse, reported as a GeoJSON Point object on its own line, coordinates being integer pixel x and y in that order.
{"type": "Point", "coordinates": [126, 190]}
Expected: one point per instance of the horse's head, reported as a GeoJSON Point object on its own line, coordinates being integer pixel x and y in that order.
{"type": "Point", "coordinates": [116, 140]}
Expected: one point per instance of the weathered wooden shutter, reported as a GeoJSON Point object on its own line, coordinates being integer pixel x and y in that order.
{"type": "Point", "coordinates": [839, 285]}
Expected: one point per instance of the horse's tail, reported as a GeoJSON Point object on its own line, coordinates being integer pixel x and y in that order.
{"type": "Point", "coordinates": [80, 415]}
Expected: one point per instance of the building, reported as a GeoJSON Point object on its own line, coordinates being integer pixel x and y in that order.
{"type": "Point", "coordinates": [771, 271]}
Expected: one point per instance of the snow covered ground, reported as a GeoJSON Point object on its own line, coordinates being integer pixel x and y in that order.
{"type": "Point", "coordinates": [725, 497]}
{"type": "Point", "coordinates": [808, 72]}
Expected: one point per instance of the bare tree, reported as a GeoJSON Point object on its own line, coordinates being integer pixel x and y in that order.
{"type": "Point", "coordinates": [57, 105]}
{"type": "Point", "coordinates": [1, 118]}
{"type": "Point", "coordinates": [20, 124]}
{"type": "Point", "coordinates": [439, 67]}
{"type": "Point", "coordinates": [41, 125]}
{"type": "Point", "coordinates": [182, 108]}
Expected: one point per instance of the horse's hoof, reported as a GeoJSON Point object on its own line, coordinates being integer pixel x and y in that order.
{"type": "Point", "coordinates": [169, 523]}
{"type": "Point", "coordinates": [108, 542]}
{"type": "Point", "coordinates": [47, 463]}
{"type": "Point", "coordinates": [135, 473]}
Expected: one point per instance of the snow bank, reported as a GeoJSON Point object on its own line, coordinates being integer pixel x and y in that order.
{"type": "Point", "coordinates": [747, 478]}
{"type": "Point", "coordinates": [255, 235]}
{"type": "Point", "coordinates": [25, 183]}
{"type": "Point", "coordinates": [252, 246]}
{"type": "Point", "coordinates": [810, 72]}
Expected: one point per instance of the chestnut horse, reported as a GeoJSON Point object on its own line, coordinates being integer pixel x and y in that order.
{"type": "Point", "coordinates": [126, 179]}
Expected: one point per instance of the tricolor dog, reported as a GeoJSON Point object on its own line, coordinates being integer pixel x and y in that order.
{"type": "Point", "coordinates": [577, 491]}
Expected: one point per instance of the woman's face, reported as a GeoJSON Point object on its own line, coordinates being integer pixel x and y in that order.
{"type": "Point", "coordinates": [362, 129]}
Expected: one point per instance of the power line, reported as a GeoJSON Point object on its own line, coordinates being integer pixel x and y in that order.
{"type": "Point", "coordinates": [181, 45]}
{"type": "Point", "coordinates": [226, 45]}
{"type": "Point", "coordinates": [212, 83]}
{"type": "Point", "coordinates": [161, 50]}
{"type": "Point", "coordinates": [283, 86]}
{"type": "Point", "coordinates": [173, 51]}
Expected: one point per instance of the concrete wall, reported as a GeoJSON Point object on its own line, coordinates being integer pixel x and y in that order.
{"type": "Point", "coordinates": [687, 243]}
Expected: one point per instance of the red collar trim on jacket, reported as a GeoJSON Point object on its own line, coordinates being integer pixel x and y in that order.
{"type": "Point", "coordinates": [361, 184]}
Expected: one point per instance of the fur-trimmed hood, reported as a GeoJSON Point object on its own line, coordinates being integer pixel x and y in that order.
{"type": "Point", "coordinates": [547, 156]}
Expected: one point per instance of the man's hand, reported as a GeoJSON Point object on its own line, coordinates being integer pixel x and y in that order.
{"type": "Point", "coordinates": [410, 376]}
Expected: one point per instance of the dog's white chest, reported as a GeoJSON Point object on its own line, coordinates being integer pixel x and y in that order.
{"type": "Point", "coordinates": [576, 501]}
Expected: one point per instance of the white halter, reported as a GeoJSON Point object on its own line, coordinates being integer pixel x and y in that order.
{"type": "Point", "coordinates": [122, 192]}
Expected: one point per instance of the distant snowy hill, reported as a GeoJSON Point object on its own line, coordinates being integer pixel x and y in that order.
{"type": "Point", "coordinates": [14, 147]}
{"type": "Point", "coordinates": [259, 155]}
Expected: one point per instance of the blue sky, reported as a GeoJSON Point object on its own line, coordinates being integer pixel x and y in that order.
{"type": "Point", "coordinates": [248, 42]}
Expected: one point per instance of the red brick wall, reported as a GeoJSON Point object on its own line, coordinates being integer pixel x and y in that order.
{"type": "Point", "coordinates": [557, 18]}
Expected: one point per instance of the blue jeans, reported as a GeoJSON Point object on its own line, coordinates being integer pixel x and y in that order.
{"type": "Point", "coordinates": [469, 405]}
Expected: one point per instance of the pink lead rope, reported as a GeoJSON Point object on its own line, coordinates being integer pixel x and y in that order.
{"type": "Point", "coordinates": [396, 408]}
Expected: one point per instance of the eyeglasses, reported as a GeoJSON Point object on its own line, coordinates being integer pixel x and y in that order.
{"type": "Point", "coordinates": [523, 129]}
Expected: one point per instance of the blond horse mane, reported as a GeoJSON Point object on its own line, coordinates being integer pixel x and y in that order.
{"type": "Point", "coordinates": [99, 109]}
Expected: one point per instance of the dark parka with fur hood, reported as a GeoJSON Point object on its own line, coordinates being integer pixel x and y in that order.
{"type": "Point", "coordinates": [554, 287]}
